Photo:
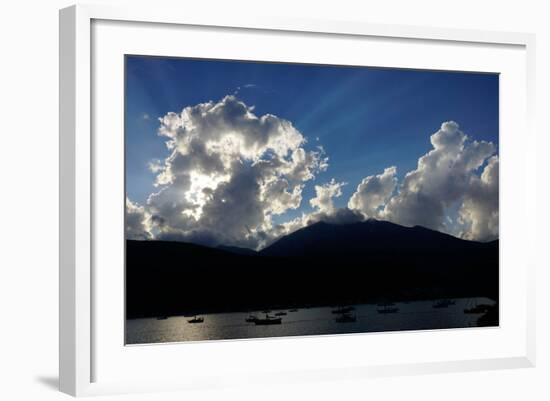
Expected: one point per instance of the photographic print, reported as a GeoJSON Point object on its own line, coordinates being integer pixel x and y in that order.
{"type": "Point", "coordinates": [282, 199]}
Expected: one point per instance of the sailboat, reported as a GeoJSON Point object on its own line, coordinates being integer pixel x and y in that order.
{"type": "Point", "coordinates": [268, 320]}
{"type": "Point", "coordinates": [196, 320]}
{"type": "Point", "coordinates": [443, 303]}
{"type": "Point", "coordinates": [346, 318]}
{"type": "Point", "coordinates": [477, 308]}
{"type": "Point", "coordinates": [388, 307]}
{"type": "Point", "coordinates": [343, 309]}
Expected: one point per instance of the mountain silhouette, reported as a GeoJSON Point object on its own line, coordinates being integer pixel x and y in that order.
{"type": "Point", "coordinates": [322, 264]}
{"type": "Point", "coordinates": [364, 238]}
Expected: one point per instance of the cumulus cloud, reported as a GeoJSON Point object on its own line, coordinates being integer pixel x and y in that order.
{"type": "Point", "coordinates": [227, 173]}
{"type": "Point", "coordinates": [137, 220]}
{"type": "Point", "coordinates": [442, 178]}
{"type": "Point", "coordinates": [324, 210]}
{"type": "Point", "coordinates": [445, 176]}
{"type": "Point", "coordinates": [374, 192]}
{"type": "Point", "coordinates": [324, 194]}
{"type": "Point", "coordinates": [479, 211]}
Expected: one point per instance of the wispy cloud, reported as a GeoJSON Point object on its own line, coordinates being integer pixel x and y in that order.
{"type": "Point", "coordinates": [245, 86]}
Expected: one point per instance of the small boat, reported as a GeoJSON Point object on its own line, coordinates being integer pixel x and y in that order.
{"type": "Point", "coordinates": [266, 311]}
{"type": "Point", "coordinates": [251, 319]}
{"type": "Point", "coordinates": [268, 320]}
{"type": "Point", "coordinates": [280, 314]}
{"type": "Point", "coordinates": [388, 309]}
{"type": "Point", "coordinates": [346, 318]}
{"type": "Point", "coordinates": [162, 317]}
{"type": "Point", "coordinates": [346, 309]}
{"type": "Point", "coordinates": [443, 303]}
{"type": "Point", "coordinates": [196, 320]}
{"type": "Point", "coordinates": [482, 308]}
{"type": "Point", "coordinates": [293, 310]}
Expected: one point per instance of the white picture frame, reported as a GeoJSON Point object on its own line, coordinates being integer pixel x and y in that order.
{"type": "Point", "coordinates": [79, 317]}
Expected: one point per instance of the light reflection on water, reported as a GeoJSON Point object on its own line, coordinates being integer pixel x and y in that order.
{"type": "Point", "coordinates": [416, 315]}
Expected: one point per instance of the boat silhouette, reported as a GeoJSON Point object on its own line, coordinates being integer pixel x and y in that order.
{"type": "Point", "coordinates": [481, 308]}
{"type": "Point", "coordinates": [346, 318]}
{"type": "Point", "coordinates": [388, 308]}
{"type": "Point", "coordinates": [343, 309]}
{"type": "Point", "coordinates": [280, 314]}
{"type": "Point", "coordinates": [267, 321]}
{"type": "Point", "coordinates": [196, 320]}
{"type": "Point", "coordinates": [251, 319]}
{"type": "Point", "coordinates": [443, 303]}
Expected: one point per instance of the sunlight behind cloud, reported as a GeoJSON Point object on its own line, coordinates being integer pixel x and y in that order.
{"type": "Point", "coordinates": [229, 171]}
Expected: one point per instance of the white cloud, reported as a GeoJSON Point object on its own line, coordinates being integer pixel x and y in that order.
{"type": "Point", "coordinates": [228, 172]}
{"type": "Point", "coordinates": [443, 177]}
{"type": "Point", "coordinates": [324, 210]}
{"type": "Point", "coordinates": [324, 194]}
{"type": "Point", "coordinates": [374, 192]}
{"type": "Point", "coordinates": [478, 214]}
{"type": "Point", "coordinates": [137, 221]}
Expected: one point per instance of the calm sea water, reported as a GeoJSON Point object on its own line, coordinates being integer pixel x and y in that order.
{"type": "Point", "coordinates": [416, 315]}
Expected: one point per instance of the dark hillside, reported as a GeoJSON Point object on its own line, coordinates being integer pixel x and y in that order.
{"type": "Point", "coordinates": [317, 265]}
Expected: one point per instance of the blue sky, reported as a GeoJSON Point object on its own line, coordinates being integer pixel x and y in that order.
{"type": "Point", "coordinates": [366, 119]}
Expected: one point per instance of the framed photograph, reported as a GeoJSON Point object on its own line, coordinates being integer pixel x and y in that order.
{"type": "Point", "coordinates": [266, 199]}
